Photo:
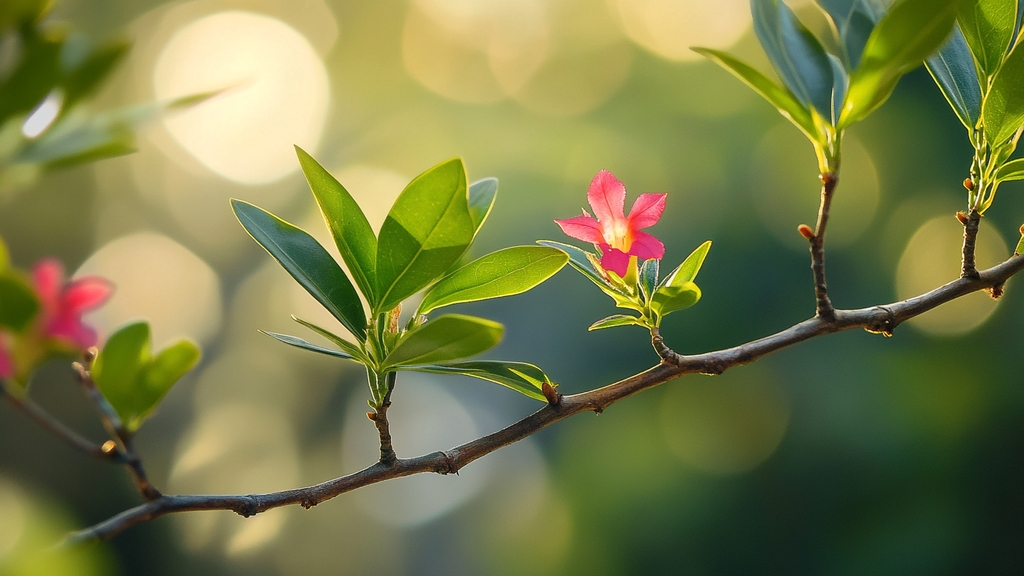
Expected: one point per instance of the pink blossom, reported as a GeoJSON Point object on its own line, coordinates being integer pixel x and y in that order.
{"type": "Point", "coordinates": [617, 235]}
{"type": "Point", "coordinates": [6, 362]}
{"type": "Point", "coordinates": [63, 303]}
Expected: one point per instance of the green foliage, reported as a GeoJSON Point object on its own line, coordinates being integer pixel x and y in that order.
{"type": "Point", "coordinates": [449, 337]}
{"type": "Point", "coordinates": [132, 379]}
{"type": "Point", "coordinates": [503, 273]}
{"type": "Point", "coordinates": [300, 343]}
{"type": "Point", "coordinates": [952, 68]}
{"type": "Point", "coordinates": [615, 320]}
{"type": "Point", "coordinates": [853, 21]}
{"type": "Point", "coordinates": [1003, 110]}
{"type": "Point", "coordinates": [1011, 171]}
{"type": "Point", "coordinates": [524, 378]}
{"type": "Point", "coordinates": [988, 27]}
{"type": "Point", "coordinates": [482, 194]}
{"type": "Point", "coordinates": [18, 303]}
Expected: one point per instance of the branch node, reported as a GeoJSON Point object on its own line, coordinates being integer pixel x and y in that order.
{"type": "Point", "coordinates": [448, 465]}
{"type": "Point", "coordinates": [885, 326]}
{"type": "Point", "coordinates": [995, 291]}
{"type": "Point", "coordinates": [554, 398]}
{"type": "Point", "coordinates": [248, 507]}
{"type": "Point", "coordinates": [668, 356]}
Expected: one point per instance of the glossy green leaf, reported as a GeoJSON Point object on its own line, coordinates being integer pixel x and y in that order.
{"type": "Point", "coordinates": [1013, 170]}
{"type": "Point", "coordinates": [482, 194]}
{"type": "Point", "coordinates": [581, 261]}
{"type": "Point", "coordinates": [669, 299]}
{"type": "Point", "coordinates": [307, 262]}
{"type": "Point", "coordinates": [503, 273]}
{"type": "Point", "coordinates": [853, 21]}
{"type": "Point", "coordinates": [953, 69]}
{"type": "Point", "coordinates": [688, 270]}
{"type": "Point", "coordinates": [338, 341]}
{"type": "Point", "coordinates": [427, 231]}
{"type": "Point", "coordinates": [300, 343]}
{"type": "Point", "coordinates": [615, 320]}
{"type": "Point", "coordinates": [784, 101]}
{"type": "Point", "coordinates": [1003, 109]}
{"type": "Point", "coordinates": [795, 52]}
{"type": "Point", "coordinates": [524, 378]}
{"type": "Point", "coordinates": [841, 84]}
{"type": "Point", "coordinates": [987, 26]}
{"type": "Point", "coordinates": [1020, 19]}
{"type": "Point", "coordinates": [352, 233]}
{"type": "Point", "coordinates": [18, 303]}
{"type": "Point", "coordinates": [156, 380]}
{"type": "Point", "coordinates": [907, 34]}
{"type": "Point", "coordinates": [649, 277]}
{"type": "Point", "coordinates": [449, 337]}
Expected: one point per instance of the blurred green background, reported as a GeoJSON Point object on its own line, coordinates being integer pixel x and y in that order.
{"type": "Point", "coordinates": [849, 454]}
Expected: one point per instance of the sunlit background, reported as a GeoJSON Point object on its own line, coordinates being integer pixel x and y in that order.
{"type": "Point", "coordinates": [851, 454]}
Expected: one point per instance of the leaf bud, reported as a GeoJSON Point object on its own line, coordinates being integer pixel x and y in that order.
{"type": "Point", "coordinates": [962, 218]}
{"type": "Point", "coordinates": [969, 184]}
{"type": "Point", "coordinates": [806, 231]}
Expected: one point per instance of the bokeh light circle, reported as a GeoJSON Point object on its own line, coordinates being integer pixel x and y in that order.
{"type": "Point", "coordinates": [670, 27]}
{"type": "Point", "coordinates": [277, 94]}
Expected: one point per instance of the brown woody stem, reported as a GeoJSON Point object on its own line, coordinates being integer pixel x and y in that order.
{"type": "Point", "coordinates": [823, 305]}
{"type": "Point", "coordinates": [968, 267]}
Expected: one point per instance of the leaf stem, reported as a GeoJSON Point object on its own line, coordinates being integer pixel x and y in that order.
{"type": "Point", "coordinates": [968, 267]}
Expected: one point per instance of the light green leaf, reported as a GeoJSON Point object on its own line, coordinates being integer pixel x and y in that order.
{"type": "Point", "coordinates": [446, 338]}
{"type": "Point", "coordinates": [18, 303]}
{"type": "Point", "coordinates": [1013, 170]}
{"type": "Point", "coordinates": [795, 52]}
{"type": "Point", "coordinates": [583, 262]}
{"type": "Point", "coordinates": [524, 378]}
{"type": "Point", "coordinates": [156, 380]}
{"type": "Point", "coordinates": [503, 273]}
{"type": "Point", "coordinates": [1003, 109]}
{"type": "Point", "coordinates": [988, 26]}
{"type": "Point", "coordinates": [784, 101]}
{"type": "Point", "coordinates": [482, 194]}
{"type": "Point", "coordinates": [688, 270]}
{"type": "Point", "coordinates": [1020, 246]}
{"type": "Point", "coordinates": [427, 230]}
{"type": "Point", "coordinates": [300, 343]}
{"type": "Point", "coordinates": [307, 262]}
{"type": "Point", "coordinates": [907, 34]}
{"type": "Point", "coordinates": [352, 233]}
{"type": "Point", "coordinates": [338, 341]}
{"type": "Point", "coordinates": [615, 320]}
{"type": "Point", "coordinates": [669, 299]}
{"type": "Point", "coordinates": [953, 69]}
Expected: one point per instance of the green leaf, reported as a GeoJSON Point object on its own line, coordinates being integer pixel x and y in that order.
{"type": "Point", "coordinates": [502, 273]}
{"type": "Point", "coordinates": [1013, 170]}
{"type": "Point", "coordinates": [795, 52]}
{"type": "Point", "coordinates": [427, 230]}
{"type": "Point", "coordinates": [841, 85]}
{"type": "Point", "coordinates": [14, 13]}
{"type": "Point", "coordinates": [908, 33]}
{"type": "Point", "coordinates": [18, 303]}
{"type": "Point", "coordinates": [669, 299]}
{"type": "Point", "coordinates": [783, 100]}
{"type": "Point", "coordinates": [988, 26]}
{"type": "Point", "coordinates": [582, 262]}
{"type": "Point", "coordinates": [953, 69]}
{"type": "Point", "coordinates": [348, 224]}
{"type": "Point", "coordinates": [687, 271]}
{"type": "Point", "coordinates": [300, 343]}
{"type": "Point", "coordinates": [131, 379]}
{"type": "Point", "coordinates": [524, 378]}
{"type": "Point", "coordinates": [1003, 109]}
{"type": "Point", "coordinates": [307, 262]}
{"type": "Point", "coordinates": [338, 341]}
{"type": "Point", "coordinates": [5, 257]}
{"type": "Point", "coordinates": [615, 320]}
{"type": "Point", "coordinates": [649, 277]}
{"type": "Point", "coordinates": [446, 338]}
{"type": "Point", "coordinates": [1020, 246]}
{"type": "Point", "coordinates": [853, 21]}
{"type": "Point", "coordinates": [482, 194]}
{"type": "Point", "coordinates": [85, 75]}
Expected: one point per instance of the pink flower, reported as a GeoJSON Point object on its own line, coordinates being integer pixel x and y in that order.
{"type": "Point", "coordinates": [6, 362]}
{"type": "Point", "coordinates": [63, 303]}
{"type": "Point", "coordinates": [617, 235]}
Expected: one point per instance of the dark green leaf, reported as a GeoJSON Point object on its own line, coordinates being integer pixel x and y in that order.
{"type": "Point", "coordinates": [988, 26]}
{"type": "Point", "coordinates": [427, 230]}
{"type": "Point", "coordinates": [338, 341]}
{"type": "Point", "coordinates": [907, 34]}
{"type": "Point", "coordinates": [446, 338]}
{"type": "Point", "coordinates": [482, 194]}
{"type": "Point", "coordinates": [784, 101]}
{"type": "Point", "coordinates": [842, 84]}
{"type": "Point", "coordinates": [1013, 170]}
{"type": "Point", "coordinates": [795, 52]}
{"type": "Point", "coordinates": [669, 299]}
{"type": "Point", "coordinates": [1003, 109]}
{"type": "Point", "coordinates": [1020, 19]}
{"type": "Point", "coordinates": [85, 75]}
{"type": "Point", "coordinates": [300, 343]}
{"type": "Point", "coordinates": [502, 273]}
{"type": "Point", "coordinates": [687, 271]}
{"type": "Point", "coordinates": [18, 303]}
{"type": "Point", "coordinates": [615, 320]}
{"type": "Point", "coordinates": [649, 277]}
{"type": "Point", "coordinates": [307, 261]}
{"type": "Point", "coordinates": [348, 224]}
{"type": "Point", "coordinates": [522, 377]}
{"type": "Point", "coordinates": [953, 69]}
{"type": "Point", "coordinates": [853, 21]}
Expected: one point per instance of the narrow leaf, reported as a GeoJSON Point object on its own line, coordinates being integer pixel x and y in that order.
{"type": "Point", "coordinates": [300, 343]}
{"type": "Point", "coordinates": [853, 21]}
{"type": "Point", "coordinates": [1003, 109]}
{"type": "Point", "coordinates": [988, 27]}
{"type": "Point", "coordinates": [502, 273]}
{"type": "Point", "coordinates": [524, 378]}
{"type": "Point", "coordinates": [583, 262]}
{"type": "Point", "coordinates": [338, 341]}
{"type": "Point", "coordinates": [649, 277]}
{"type": "Point", "coordinates": [482, 194]}
{"type": "Point", "coordinates": [784, 101]}
{"type": "Point", "coordinates": [427, 230]}
{"type": "Point", "coordinates": [1013, 170]}
{"type": "Point", "coordinates": [307, 261]}
{"type": "Point", "coordinates": [446, 338]}
{"type": "Point", "coordinates": [841, 85]}
{"type": "Point", "coordinates": [669, 299]}
{"type": "Point", "coordinates": [953, 69]}
{"type": "Point", "coordinates": [613, 321]}
{"type": "Point", "coordinates": [687, 271]}
{"type": "Point", "coordinates": [352, 233]}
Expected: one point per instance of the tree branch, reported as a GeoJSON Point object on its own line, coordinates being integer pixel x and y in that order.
{"type": "Point", "coordinates": [972, 223]}
{"type": "Point", "coordinates": [380, 420]}
{"type": "Point", "coordinates": [59, 429]}
{"type": "Point", "coordinates": [823, 305]}
{"type": "Point", "coordinates": [877, 319]}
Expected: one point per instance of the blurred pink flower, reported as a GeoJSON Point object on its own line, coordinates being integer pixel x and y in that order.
{"type": "Point", "coordinates": [63, 303]}
{"type": "Point", "coordinates": [6, 362]}
{"type": "Point", "coordinates": [617, 235]}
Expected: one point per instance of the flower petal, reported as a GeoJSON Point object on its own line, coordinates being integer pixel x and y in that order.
{"type": "Point", "coordinates": [70, 329]}
{"type": "Point", "coordinates": [6, 362]}
{"type": "Point", "coordinates": [48, 277]}
{"type": "Point", "coordinates": [84, 294]}
{"type": "Point", "coordinates": [582, 228]}
{"type": "Point", "coordinates": [646, 247]}
{"type": "Point", "coordinates": [615, 260]}
{"type": "Point", "coordinates": [646, 211]}
{"type": "Point", "coordinates": [607, 196]}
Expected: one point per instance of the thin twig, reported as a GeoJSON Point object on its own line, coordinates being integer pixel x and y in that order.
{"type": "Point", "coordinates": [968, 267]}
{"type": "Point", "coordinates": [877, 319]}
{"type": "Point", "coordinates": [58, 428]}
{"type": "Point", "coordinates": [380, 420]}
{"type": "Point", "coordinates": [823, 305]}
